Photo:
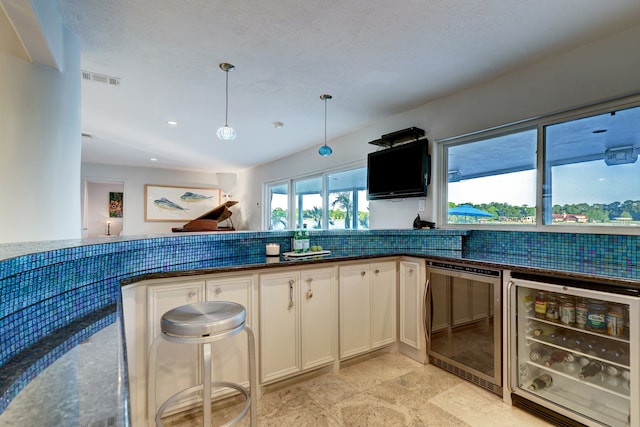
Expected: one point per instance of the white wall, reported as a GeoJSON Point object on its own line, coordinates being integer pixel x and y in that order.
{"type": "Point", "coordinates": [39, 141]}
{"type": "Point", "coordinates": [134, 181]}
{"type": "Point", "coordinates": [601, 70]}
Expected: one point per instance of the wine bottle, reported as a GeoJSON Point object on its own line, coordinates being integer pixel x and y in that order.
{"type": "Point", "coordinates": [539, 353]}
{"type": "Point", "coordinates": [541, 382]}
{"type": "Point", "coordinates": [591, 369]}
{"type": "Point", "coordinates": [297, 240]}
{"type": "Point", "coordinates": [556, 357]}
{"type": "Point", "coordinates": [304, 237]}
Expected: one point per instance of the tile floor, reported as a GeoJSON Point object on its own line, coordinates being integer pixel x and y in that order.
{"type": "Point", "coordinates": [383, 389]}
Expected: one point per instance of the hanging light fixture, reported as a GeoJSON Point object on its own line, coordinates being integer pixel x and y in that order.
{"type": "Point", "coordinates": [226, 132]}
{"type": "Point", "coordinates": [325, 150]}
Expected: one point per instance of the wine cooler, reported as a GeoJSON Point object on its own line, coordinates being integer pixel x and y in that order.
{"type": "Point", "coordinates": [573, 348]}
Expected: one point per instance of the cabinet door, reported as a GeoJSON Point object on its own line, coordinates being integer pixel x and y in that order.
{"type": "Point", "coordinates": [230, 358]}
{"type": "Point", "coordinates": [355, 310]}
{"type": "Point", "coordinates": [178, 365]}
{"type": "Point", "coordinates": [318, 309]}
{"type": "Point", "coordinates": [279, 325]}
{"type": "Point", "coordinates": [411, 295]}
{"type": "Point", "coordinates": [383, 303]}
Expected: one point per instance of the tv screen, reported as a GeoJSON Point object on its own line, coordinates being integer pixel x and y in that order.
{"type": "Point", "coordinates": [397, 172]}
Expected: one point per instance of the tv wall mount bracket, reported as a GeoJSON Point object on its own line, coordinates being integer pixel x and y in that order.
{"type": "Point", "coordinates": [399, 137]}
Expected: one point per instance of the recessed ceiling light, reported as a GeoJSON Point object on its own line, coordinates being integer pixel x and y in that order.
{"type": "Point", "coordinates": [172, 123]}
{"type": "Point", "coordinates": [278, 124]}
{"type": "Point", "coordinates": [153, 159]}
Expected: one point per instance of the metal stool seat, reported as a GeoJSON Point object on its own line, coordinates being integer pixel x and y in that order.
{"type": "Point", "coordinates": [203, 323]}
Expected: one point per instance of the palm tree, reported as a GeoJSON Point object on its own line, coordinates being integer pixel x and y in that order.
{"type": "Point", "coordinates": [343, 201]}
{"type": "Point", "coordinates": [278, 217]}
{"type": "Point", "coordinates": [315, 214]}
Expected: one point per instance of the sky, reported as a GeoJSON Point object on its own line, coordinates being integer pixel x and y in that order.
{"type": "Point", "coordinates": [587, 182]}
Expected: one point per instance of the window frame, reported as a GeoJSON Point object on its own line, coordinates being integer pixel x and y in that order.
{"type": "Point", "coordinates": [291, 181]}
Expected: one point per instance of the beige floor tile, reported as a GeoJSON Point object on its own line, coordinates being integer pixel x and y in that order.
{"type": "Point", "coordinates": [480, 408]}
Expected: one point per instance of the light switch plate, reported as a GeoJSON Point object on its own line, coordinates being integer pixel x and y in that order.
{"type": "Point", "coordinates": [420, 205]}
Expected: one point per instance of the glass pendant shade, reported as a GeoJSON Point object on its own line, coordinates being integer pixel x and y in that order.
{"type": "Point", "coordinates": [226, 133]}
{"type": "Point", "coordinates": [325, 151]}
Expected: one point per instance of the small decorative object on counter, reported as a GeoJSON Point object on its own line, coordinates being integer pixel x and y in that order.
{"type": "Point", "coordinates": [304, 237]}
{"type": "Point", "coordinates": [541, 382]}
{"type": "Point", "coordinates": [272, 249]}
{"type": "Point", "coordinates": [297, 240]}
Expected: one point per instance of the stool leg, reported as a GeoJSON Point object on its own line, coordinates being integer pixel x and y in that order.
{"type": "Point", "coordinates": [206, 383]}
{"type": "Point", "coordinates": [151, 382]}
{"type": "Point", "coordinates": [252, 377]}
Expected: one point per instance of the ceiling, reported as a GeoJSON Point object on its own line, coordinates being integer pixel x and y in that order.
{"type": "Point", "coordinates": [376, 58]}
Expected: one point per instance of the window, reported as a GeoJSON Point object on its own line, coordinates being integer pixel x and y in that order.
{"type": "Point", "coordinates": [592, 176]}
{"type": "Point", "coordinates": [348, 205]}
{"type": "Point", "coordinates": [586, 173]}
{"type": "Point", "coordinates": [278, 206]}
{"type": "Point", "coordinates": [492, 180]}
{"type": "Point", "coordinates": [335, 200]}
{"type": "Point", "coordinates": [308, 202]}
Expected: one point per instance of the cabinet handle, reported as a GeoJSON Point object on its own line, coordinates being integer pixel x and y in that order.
{"type": "Point", "coordinates": [411, 271]}
{"type": "Point", "coordinates": [362, 273]}
{"type": "Point", "coordinates": [191, 294]}
{"type": "Point", "coordinates": [218, 291]}
{"type": "Point", "coordinates": [309, 280]}
{"type": "Point", "coordinates": [290, 295]}
{"type": "Point", "coordinates": [377, 271]}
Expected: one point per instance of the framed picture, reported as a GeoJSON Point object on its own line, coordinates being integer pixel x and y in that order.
{"type": "Point", "coordinates": [115, 205]}
{"type": "Point", "coordinates": [169, 203]}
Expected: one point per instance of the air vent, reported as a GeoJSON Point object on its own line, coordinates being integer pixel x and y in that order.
{"type": "Point", "coordinates": [100, 78]}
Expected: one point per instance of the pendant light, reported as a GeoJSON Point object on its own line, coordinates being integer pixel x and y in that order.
{"type": "Point", "coordinates": [325, 150]}
{"type": "Point", "coordinates": [226, 132]}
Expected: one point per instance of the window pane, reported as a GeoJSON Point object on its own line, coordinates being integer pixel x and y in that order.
{"type": "Point", "coordinates": [308, 202]}
{"type": "Point", "coordinates": [493, 180]}
{"type": "Point", "coordinates": [592, 174]}
{"type": "Point", "coordinates": [348, 204]}
{"type": "Point", "coordinates": [278, 206]}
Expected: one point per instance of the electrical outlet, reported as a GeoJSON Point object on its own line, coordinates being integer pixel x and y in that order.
{"type": "Point", "coordinates": [420, 205]}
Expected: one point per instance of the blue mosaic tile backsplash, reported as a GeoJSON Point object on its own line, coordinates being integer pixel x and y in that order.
{"type": "Point", "coordinates": [47, 289]}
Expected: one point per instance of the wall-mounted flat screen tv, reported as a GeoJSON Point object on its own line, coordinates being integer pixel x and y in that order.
{"type": "Point", "coordinates": [398, 172]}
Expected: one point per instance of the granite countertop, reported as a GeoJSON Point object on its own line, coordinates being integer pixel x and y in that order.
{"type": "Point", "coordinates": [587, 271]}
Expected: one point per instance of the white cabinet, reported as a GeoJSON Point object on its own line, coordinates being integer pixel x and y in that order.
{"type": "Point", "coordinates": [297, 322]}
{"type": "Point", "coordinates": [230, 359]}
{"type": "Point", "coordinates": [367, 307]}
{"type": "Point", "coordinates": [177, 366]}
{"type": "Point", "coordinates": [412, 303]}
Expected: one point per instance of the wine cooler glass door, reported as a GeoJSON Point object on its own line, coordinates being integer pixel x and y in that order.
{"type": "Point", "coordinates": [576, 351]}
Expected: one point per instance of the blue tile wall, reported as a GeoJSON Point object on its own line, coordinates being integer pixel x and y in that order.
{"type": "Point", "coordinates": [600, 254]}
{"type": "Point", "coordinates": [46, 292]}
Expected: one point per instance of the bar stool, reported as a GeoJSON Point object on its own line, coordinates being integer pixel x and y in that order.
{"type": "Point", "coordinates": [203, 323]}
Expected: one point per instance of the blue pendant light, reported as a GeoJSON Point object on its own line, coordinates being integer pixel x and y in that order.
{"type": "Point", "coordinates": [226, 132]}
{"type": "Point", "coordinates": [325, 150]}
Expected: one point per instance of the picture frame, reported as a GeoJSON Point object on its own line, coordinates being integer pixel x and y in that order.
{"type": "Point", "coordinates": [179, 204]}
{"type": "Point", "coordinates": [116, 204]}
